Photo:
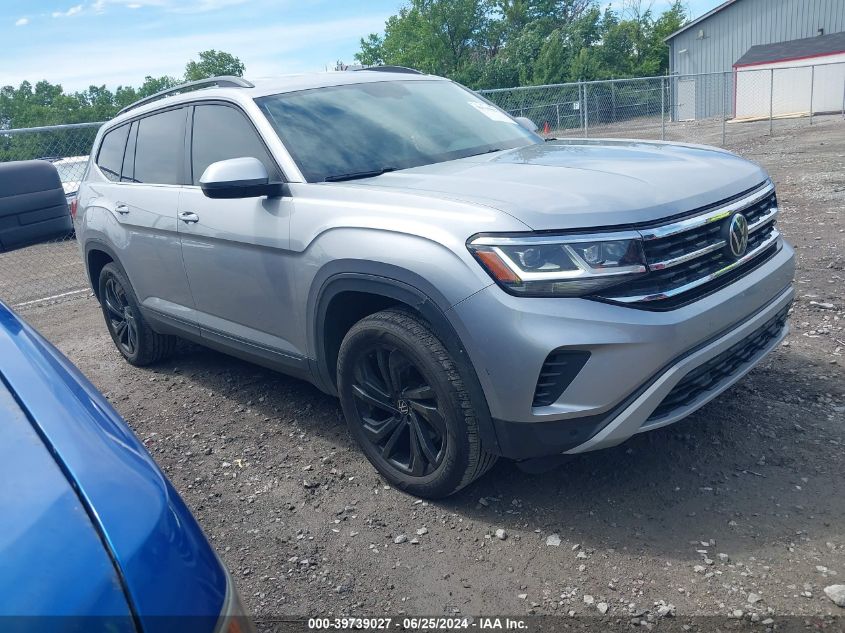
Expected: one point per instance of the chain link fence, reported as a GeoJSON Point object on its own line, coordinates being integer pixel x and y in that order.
{"type": "Point", "coordinates": [51, 270]}
{"type": "Point", "coordinates": [725, 109]}
{"type": "Point", "coordinates": [717, 108]}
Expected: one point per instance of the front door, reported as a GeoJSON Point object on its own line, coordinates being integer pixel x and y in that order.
{"type": "Point", "coordinates": [236, 252]}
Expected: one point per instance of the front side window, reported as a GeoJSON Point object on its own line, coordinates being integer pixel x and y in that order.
{"type": "Point", "coordinates": [221, 132]}
{"type": "Point", "coordinates": [160, 148]}
{"type": "Point", "coordinates": [110, 156]}
{"type": "Point", "coordinates": [343, 131]}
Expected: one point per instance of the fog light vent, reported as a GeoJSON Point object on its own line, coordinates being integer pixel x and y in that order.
{"type": "Point", "coordinates": [557, 373]}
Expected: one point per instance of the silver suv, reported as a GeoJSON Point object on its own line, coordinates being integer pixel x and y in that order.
{"type": "Point", "coordinates": [468, 289]}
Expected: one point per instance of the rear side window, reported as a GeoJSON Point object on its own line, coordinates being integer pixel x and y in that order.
{"type": "Point", "coordinates": [110, 156]}
{"type": "Point", "coordinates": [221, 132]}
{"type": "Point", "coordinates": [160, 148]}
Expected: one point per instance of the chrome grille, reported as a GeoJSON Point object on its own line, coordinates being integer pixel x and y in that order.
{"type": "Point", "coordinates": [686, 257]}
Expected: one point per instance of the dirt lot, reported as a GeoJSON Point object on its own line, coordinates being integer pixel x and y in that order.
{"type": "Point", "coordinates": [741, 508]}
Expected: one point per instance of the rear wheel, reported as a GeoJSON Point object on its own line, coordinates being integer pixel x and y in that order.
{"type": "Point", "coordinates": [132, 335]}
{"type": "Point", "coordinates": [407, 407]}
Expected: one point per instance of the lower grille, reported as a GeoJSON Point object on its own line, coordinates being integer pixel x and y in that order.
{"type": "Point", "coordinates": [707, 376]}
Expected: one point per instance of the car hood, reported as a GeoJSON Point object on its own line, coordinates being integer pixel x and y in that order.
{"type": "Point", "coordinates": [46, 533]}
{"type": "Point", "coordinates": [567, 184]}
{"type": "Point", "coordinates": [164, 560]}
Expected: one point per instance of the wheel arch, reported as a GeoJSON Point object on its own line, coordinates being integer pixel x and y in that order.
{"type": "Point", "coordinates": [372, 293]}
{"type": "Point", "coordinates": [97, 255]}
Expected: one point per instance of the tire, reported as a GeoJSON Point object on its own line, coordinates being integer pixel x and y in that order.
{"type": "Point", "coordinates": [134, 338]}
{"type": "Point", "coordinates": [407, 406]}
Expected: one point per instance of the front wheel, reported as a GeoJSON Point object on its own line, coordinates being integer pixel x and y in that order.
{"type": "Point", "coordinates": [407, 407]}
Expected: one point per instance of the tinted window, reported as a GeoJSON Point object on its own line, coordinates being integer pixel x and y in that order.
{"type": "Point", "coordinates": [222, 132]}
{"type": "Point", "coordinates": [346, 130]}
{"type": "Point", "coordinates": [127, 174]}
{"type": "Point", "coordinates": [159, 148]}
{"type": "Point", "coordinates": [110, 157]}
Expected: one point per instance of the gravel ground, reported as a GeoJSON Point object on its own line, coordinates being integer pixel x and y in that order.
{"type": "Point", "coordinates": [738, 511]}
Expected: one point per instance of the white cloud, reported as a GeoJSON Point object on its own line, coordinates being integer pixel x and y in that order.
{"type": "Point", "coordinates": [202, 6]}
{"type": "Point", "coordinates": [266, 51]}
{"type": "Point", "coordinates": [170, 6]}
{"type": "Point", "coordinates": [70, 12]}
{"type": "Point", "coordinates": [22, 22]}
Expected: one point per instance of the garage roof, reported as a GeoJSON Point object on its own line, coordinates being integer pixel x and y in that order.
{"type": "Point", "coordinates": [794, 49]}
{"type": "Point", "coordinates": [700, 19]}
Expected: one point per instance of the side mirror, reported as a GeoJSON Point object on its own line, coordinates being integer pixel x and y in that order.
{"type": "Point", "coordinates": [237, 178]}
{"type": "Point", "coordinates": [527, 123]}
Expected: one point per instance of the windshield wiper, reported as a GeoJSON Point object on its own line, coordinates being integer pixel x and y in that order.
{"type": "Point", "coordinates": [488, 151]}
{"type": "Point", "coordinates": [359, 174]}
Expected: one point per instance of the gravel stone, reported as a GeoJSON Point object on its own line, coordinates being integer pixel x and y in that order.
{"type": "Point", "coordinates": [837, 594]}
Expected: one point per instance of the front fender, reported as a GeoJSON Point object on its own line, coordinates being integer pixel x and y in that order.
{"type": "Point", "coordinates": [410, 290]}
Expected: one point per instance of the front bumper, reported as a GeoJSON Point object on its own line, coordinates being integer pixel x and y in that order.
{"type": "Point", "coordinates": [637, 358]}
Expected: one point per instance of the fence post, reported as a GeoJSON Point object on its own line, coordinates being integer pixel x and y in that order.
{"type": "Point", "coordinates": [613, 98]}
{"type": "Point", "coordinates": [724, 108]}
{"type": "Point", "coordinates": [586, 113]}
{"type": "Point", "coordinates": [581, 107]}
{"type": "Point", "coordinates": [812, 90]}
{"type": "Point", "coordinates": [771, 101]}
{"type": "Point", "coordinates": [557, 112]}
{"type": "Point", "coordinates": [662, 108]}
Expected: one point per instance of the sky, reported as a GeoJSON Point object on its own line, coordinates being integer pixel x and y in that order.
{"type": "Point", "coordinates": [78, 43]}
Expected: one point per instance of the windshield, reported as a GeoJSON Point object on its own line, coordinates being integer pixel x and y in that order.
{"type": "Point", "coordinates": [365, 129]}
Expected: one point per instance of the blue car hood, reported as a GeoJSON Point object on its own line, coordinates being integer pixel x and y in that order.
{"type": "Point", "coordinates": [53, 561]}
{"type": "Point", "coordinates": [161, 554]}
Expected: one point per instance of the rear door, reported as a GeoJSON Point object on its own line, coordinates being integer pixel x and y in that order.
{"type": "Point", "coordinates": [145, 160]}
{"type": "Point", "coordinates": [236, 252]}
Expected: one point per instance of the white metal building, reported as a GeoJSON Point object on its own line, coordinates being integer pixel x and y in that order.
{"type": "Point", "coordinates": [791, 78]}
{"type": "Point", "coordinates": [716, 41]}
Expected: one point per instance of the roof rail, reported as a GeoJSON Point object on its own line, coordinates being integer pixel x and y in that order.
{"type": "Point", "coordinates": [393, 69]}
{"type": "Point", "coordinates": [225, 81]}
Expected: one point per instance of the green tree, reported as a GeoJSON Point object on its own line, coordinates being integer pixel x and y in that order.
{"type": "Point", "coordinates": [435, 36]}
{"type": "Point", "coordinates": [214, 63]}
{"type": "Point", "coordinates": [372, 50]}
{"type": "Point", "coordinates": [502, 43]}
{"type": "Point", "coordinates": [45, 103]}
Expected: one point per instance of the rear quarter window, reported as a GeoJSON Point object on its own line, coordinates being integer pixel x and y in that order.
{"type": "Point", "coordinates": [110, 156]}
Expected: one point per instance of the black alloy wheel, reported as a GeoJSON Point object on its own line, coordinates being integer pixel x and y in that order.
{"type": "Point", "coordinates": [132, 335]}
{"type": "Point", "coordinates": [121, 319]}
{"type": "Point", "coordinates": [399, 410]}
{"type": "Point", "coordinates": [407, 406]}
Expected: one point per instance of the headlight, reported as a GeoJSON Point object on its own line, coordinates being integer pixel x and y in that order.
{"type": "Point", "coordinates": [561, 266]}
{"type": "Point", "coordinates": [233, 618]}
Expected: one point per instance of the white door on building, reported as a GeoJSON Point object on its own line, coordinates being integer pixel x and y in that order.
{"type": "Point", "coordinates": [685, 108]}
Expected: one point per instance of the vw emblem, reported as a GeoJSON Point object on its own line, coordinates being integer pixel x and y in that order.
{"type": "Point", "coordinates": [403, 407]}
{"type": "Point", "coordinates": [738, 235]}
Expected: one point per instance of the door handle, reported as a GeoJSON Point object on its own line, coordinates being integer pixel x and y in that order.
{"type": "Point", "coordinates": [121, 208]}
{"type": "Point", "coordinates": [188, 217]}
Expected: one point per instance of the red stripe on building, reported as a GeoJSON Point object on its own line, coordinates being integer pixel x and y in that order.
{"type": "Point", "coordinates": [788, 59]}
